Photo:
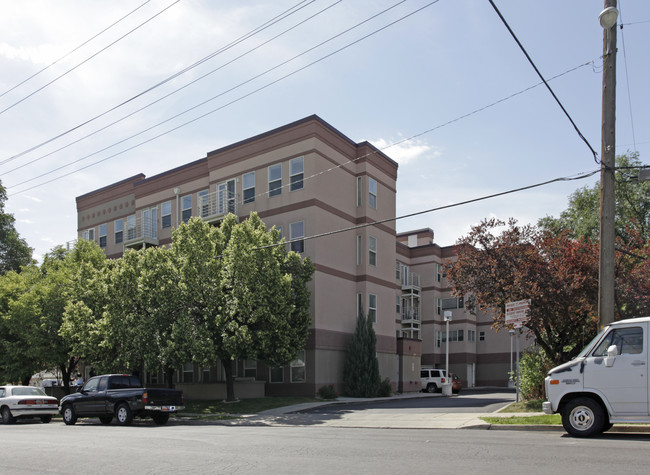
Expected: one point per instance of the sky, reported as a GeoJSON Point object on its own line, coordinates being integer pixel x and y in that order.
{"type": "Point", "coordinates": [94, 92]}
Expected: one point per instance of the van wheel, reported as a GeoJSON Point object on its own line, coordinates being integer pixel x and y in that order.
{"type": "Point", "coordinates": [160, 418]}
{"type": "Point", "coordinates": [432, 388]}
{"type": "Point", "coordinates": [123, 414]}
{"type": "Point", "coordinates": [583, 417]}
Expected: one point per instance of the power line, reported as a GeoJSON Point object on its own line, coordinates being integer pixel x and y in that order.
{"type": "Point", "coordinates": [75, 49]}
{"type": "Point", "coordinates": [627, 80]}
{"type": "Point", "coordinates": [432, 129]}
{"type": "Point", "coordinates": [88, 59]}
{"type": "Point", "coordinates": [224, 105]}
{"type": "Point", "coordinates": [544, 81]}
{"type": "Point", "coordinates": [248, 35]}
{"type": "Point", "coordinates": [579, 176]}
{"type": "Point", "coordinates": [242, 38]}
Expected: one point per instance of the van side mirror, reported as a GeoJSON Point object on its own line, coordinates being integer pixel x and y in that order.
{"type": "Point", "coordinates": [612, 352]}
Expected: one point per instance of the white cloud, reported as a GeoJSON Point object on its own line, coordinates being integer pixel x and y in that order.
{"type": "Point", "coordinates": [405, 151]}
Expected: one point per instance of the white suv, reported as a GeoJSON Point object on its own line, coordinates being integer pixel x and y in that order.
{"type": "Point", "coordinates": [432, 379]}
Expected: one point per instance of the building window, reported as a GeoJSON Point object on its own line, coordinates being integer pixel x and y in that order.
{"type": "Point", "coordinates": [359, 190]}
{"type": "Point", "coordinates": [481, 336]}
{"type": "Point", "coordinates": [119, 230]}
{"type": "Point", "coordinates": [249, 187]}
{"type": "Point", "coordinates": [471, 335]}
{"type": "Point", "coordinates": [250, 368]}
{"type": "Point", "coordinates": [186, 208]}
{"type": "Point", "coordinates": [102, 235]}
{"type": "Point", "coordinates": [188, 373]}
{"type": "Point", "coordinates": [275, 179]}
{"type": "Point", "coordinates": [297, 231]}
{"type": "Point", "coordinates": [89, 234]}
{"type": "Point", "coordinates": [280, 231]}
{"type": "Point", "coordinates": [202, 201]}
{"type": "Point", "coordinates": [438, 338]}
{"type": "Point", "coordinates": [276, 375]}
{"type": "Point", "coordinates": [130, 227]}
{"type": "Point", "coordinates": [359, 250]}
{"type": "Point", "coordinates": [297, 173]}
{"type": "Point", "coordinates": [372, 251]}
{"type": "Point", "coordinates": [439, 272]}
{"type": "Point", "coordinates": [372, 307]}
{"type": "Point", "coordinates": [205, 374]}
{"type": "Point", "coordinates": [166, 214]}
{"type": "Point", "coordinates": [398, 304]}
{"type": "Point", "coordinates": [398, 270]}
{"type": "Point", "coordinates": [372, 193]}
{"type": "Point", "coordinates": [298, 373]}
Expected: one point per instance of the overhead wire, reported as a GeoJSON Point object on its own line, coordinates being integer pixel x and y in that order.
{"type": "Point", "coordinates": [262, 27]}
{"type": "Point", "coordinates": [214, 97]}
{"type": "Point", "coordinates": [73, 50]}
{"type": "Point", "coordinates": [512, 33]}
{"type": "Point", "coordinates": [256, 30]}
{"type": "Point", "coordinates": [89, 58]}
{"type": "Point", "coordinates": [627, 78]}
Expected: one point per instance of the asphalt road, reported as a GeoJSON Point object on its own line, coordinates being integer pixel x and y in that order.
{"type": "Point", "coordinates": [29, 448]}
{"type": "Point", "coordinates": [469, 401]}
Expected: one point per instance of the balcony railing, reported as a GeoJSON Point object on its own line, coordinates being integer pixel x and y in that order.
{"type": "Point", "coordinates": [410, 280]}
{"type": "Point", "coordinates": [141, 233]}
{"type": "Point", "coordinates": [216, 205]}
{"type": "Point", "coordinates": [410, 314]}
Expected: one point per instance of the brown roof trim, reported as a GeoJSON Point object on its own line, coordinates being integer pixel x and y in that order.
{"type": "Point", "coordinates": [121, 183]}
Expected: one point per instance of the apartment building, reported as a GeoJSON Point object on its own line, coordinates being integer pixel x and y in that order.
{"type": "Point", "coordinates": [478, 354]}
{"type": "Point", "coordinates": [307, 178]}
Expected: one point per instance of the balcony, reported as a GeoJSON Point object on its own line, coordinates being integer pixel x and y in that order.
{"type": "Point", "coordinates": [410, 281]}
{"type": "Point", "coordinates": [213, 207]}
{"type": "Point", "coordinates": [410, 315]}
{"type": "Point", "coordinates": [141, 234]}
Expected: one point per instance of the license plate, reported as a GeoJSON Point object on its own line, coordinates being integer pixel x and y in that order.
{"type": "Point", "coordinates": [169, 408]}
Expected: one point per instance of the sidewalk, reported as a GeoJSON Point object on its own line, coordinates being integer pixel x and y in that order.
{"type": "Point", "coordinates": [290, 416]}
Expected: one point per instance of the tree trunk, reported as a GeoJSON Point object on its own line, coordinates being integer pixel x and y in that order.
{"type": "Point", "coordinates": [170, 377]}
{"type": "Point", "coordinates": [25, 380]}
{"type": "Point", "coordinates": [230, 381]}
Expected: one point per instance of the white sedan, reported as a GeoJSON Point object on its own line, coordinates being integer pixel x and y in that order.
{"type": "Point", "coordinates": [26, 401]}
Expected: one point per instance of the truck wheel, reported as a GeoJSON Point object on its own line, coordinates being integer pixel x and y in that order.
{"type": "Point", "coordinates": [583, 417]}
{"type": "Point", "coordinates": [69, 415]}
{"type": "Point", "coordinates": [160, 418]}
{"type": "Point", "coordinates": [432, 388]}
{"type": "Point", "coordinates": [123, 414]}
{"type": "Point", "coordinates": [106, 419]}
{"type": "Point", "coordinates": [7, 418]}
{"type": "Point", "coordinates": [46, 419]}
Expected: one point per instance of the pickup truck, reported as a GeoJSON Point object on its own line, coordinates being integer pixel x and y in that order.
{"type": "Point", "coordinates": [606, 383]}
{"type": "Point", "coordinates": [122, 397]}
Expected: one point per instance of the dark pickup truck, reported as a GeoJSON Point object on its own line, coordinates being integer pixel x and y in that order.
{"type": "Point", "coordinates": [120, 396]}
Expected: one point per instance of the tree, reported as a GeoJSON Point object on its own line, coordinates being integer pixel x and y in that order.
{"type": "Point", "coordinates": [245, 296]}
{"type": "Point", "coordinates": [14, 251]}
{"type": "Point", "coordinates": [361, 371]}
{"type": "Point", "coordinates": [558, 272]}
{"type": "Point", "coordinates": [582, 217]}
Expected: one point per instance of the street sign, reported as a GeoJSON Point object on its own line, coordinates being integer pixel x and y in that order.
{"type": "Point", "coordinates": [517, 313]}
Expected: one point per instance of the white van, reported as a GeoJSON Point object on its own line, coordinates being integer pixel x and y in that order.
{"type": "Point", "coordinates": [606, 383]}
{"type": "Point", "coordinates": [432, 379]}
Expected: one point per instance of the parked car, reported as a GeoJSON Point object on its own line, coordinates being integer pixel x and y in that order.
{"type": "Point", "coordinates": [456, 385]}
{"type": "Point", "coordinates": [22, 402]}
{"type": "Point", "coordinates": [432, 379]}
{"type": "Point", "coordinates": [607, 383]}
{"type": "Point", "coordinates": [122, 397]}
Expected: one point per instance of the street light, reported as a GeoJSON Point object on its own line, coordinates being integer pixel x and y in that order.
{"type": "Point", "coordinates": [447, 316]}
{"type": "Point", "coordinates": [511, 382]}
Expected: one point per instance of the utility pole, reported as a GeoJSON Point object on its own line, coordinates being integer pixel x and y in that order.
{"type": "Point", "coordinates": [607, 20]}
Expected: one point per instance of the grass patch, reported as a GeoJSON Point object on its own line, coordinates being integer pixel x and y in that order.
{"type": "Point", "coordinates": [244, 406]}
{"type": "Point", "coordinates": [554, 419]}
{"type": "Point", "coordinates": [534, 405]}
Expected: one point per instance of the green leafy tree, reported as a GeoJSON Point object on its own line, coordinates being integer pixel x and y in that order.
{"type": "Point", "coordinates": [14, 251]}
{"type": "Point", "coordinates": [582, 216]}
{"type": "Point", "coordinates": [361, 371]}
{"type": "Point", "coordinates": [245, 296]}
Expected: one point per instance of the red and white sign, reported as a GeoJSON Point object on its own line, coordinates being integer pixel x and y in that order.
{"type": "Point", "coordinates": [517, 313]}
